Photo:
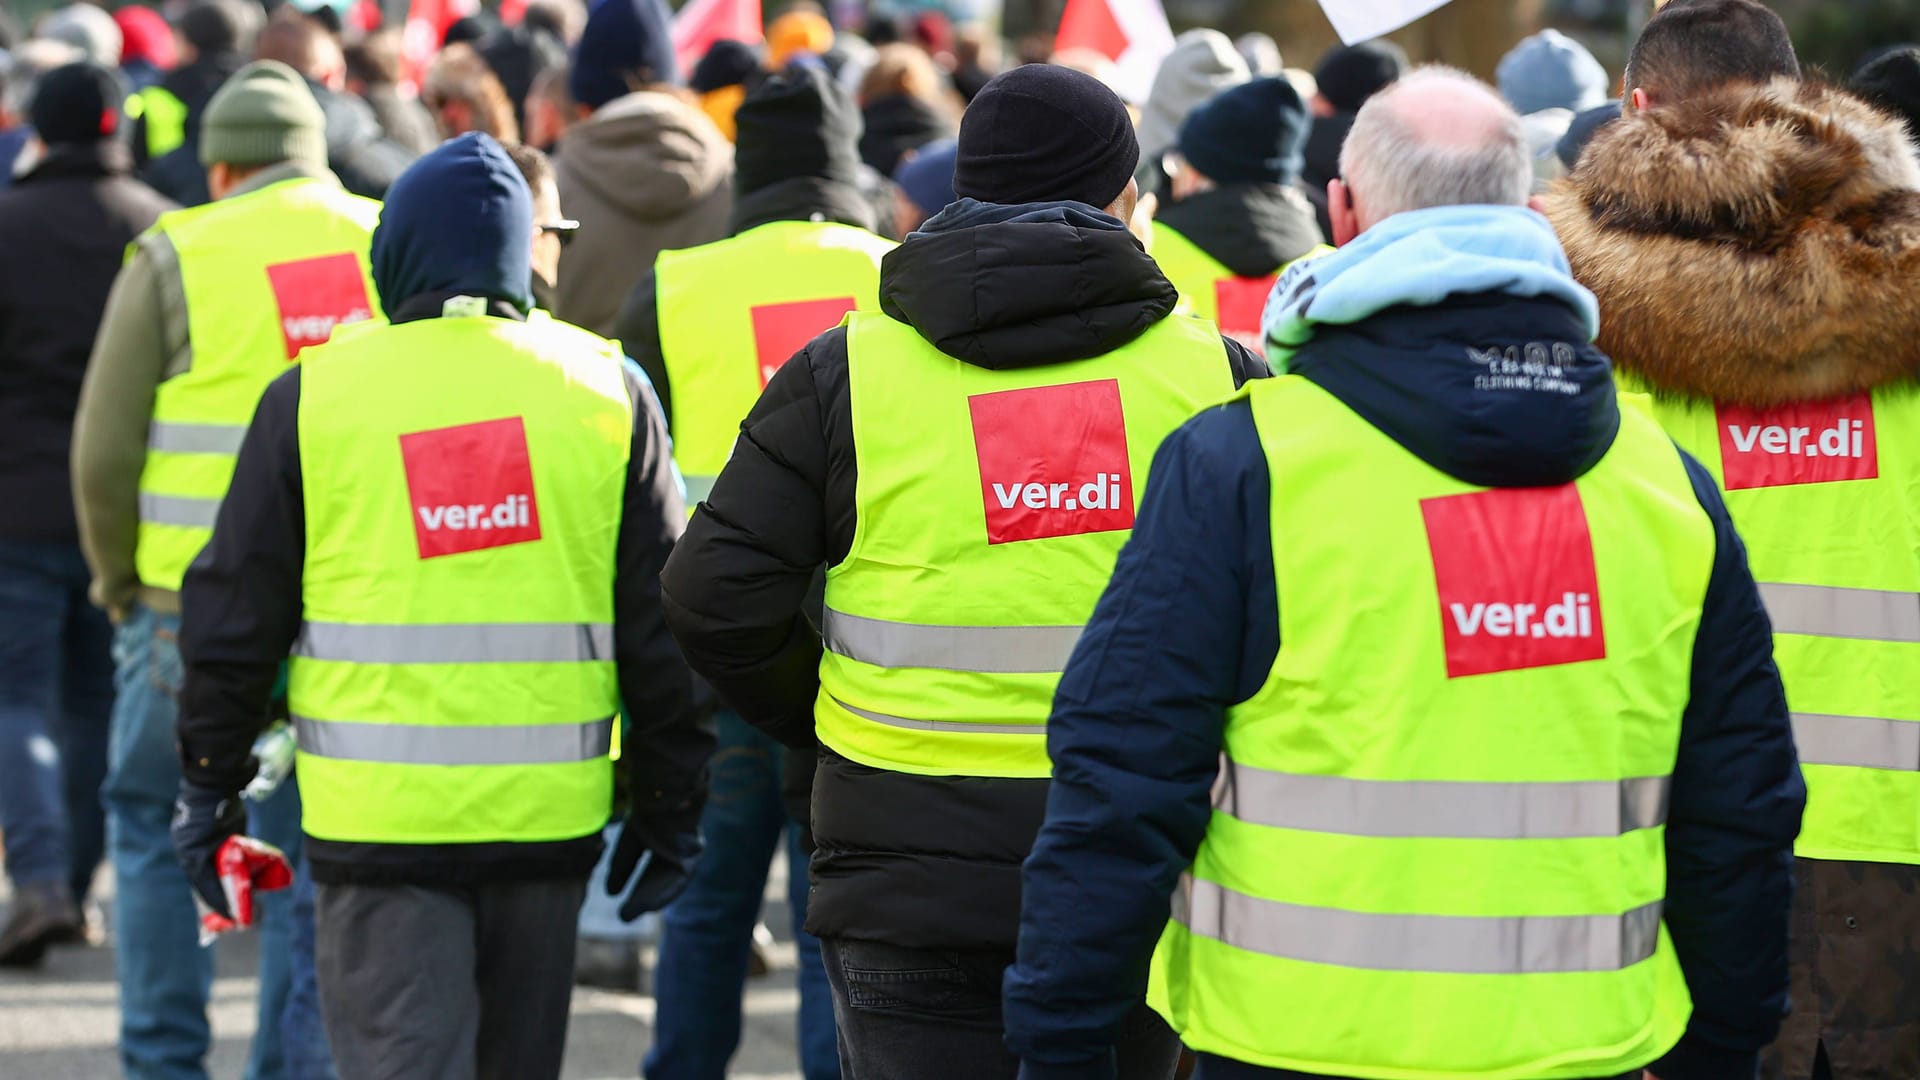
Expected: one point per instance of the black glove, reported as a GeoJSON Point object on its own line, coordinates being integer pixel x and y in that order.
{"type": "Point", "coordinates": [203, 818]}
{"type": "Point", "coordinates": [663, 852]}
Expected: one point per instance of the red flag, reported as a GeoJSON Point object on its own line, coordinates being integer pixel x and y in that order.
{"type": "Point", "coordinates": [703, 22]}
{"type": "Point", "coordinates": [1132, 33]}
{"type": "Point", "coordinates": [427, 22]}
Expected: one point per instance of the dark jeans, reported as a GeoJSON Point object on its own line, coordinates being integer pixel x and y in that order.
{"type": "Point", "coordinates": [56, 695]}
{"type": "Point", "coordinates": [420, 983]}
{"type": "Point", "coordinates": [934, 1014]}
{"type": "Point", "coordinates": [707, 934]}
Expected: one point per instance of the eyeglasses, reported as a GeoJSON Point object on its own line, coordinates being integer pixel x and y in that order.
{"type": "Point", "coordinates": [562, 230]}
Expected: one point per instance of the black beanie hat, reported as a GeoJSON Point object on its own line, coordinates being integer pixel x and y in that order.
{"type": "Point", "coordinates": [1253, 133]}
{"type": "Point", "coordinates": [727, 63]}
{"type": "Point", "coordinates": [1350, 74]}
{"type": "Point", "coordinates": [1892, 81]}
{"type": "Point", "coordinates": [79, 103]}
{"type": "Point", "coordinates": [794, 123]}
{"type": "Point", "coordinates": [1042, 133]}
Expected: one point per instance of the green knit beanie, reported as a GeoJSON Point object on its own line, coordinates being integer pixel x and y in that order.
{"type": "Point", "coordinates": [264, 114]}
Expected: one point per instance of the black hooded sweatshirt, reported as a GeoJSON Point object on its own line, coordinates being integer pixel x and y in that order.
{"type": "Point", "coordinates": [929, 862]}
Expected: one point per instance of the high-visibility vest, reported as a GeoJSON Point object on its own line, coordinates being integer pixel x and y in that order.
{"type": "Point", "coordinates": [1827, 497]}
{"type": "Point", "coordinates": [266, 274]}
{"type": "Point", "coordinates": [453, 681]}
{"type": "Point", "coordinates": [733, 311]}
{"type": "Point", "coordinates": [990, 509]}
{"type": "Point", "coordinates": [1437, 842]}
{"type": "Point", "coordinates": [166, 119]}
{"type": "Point", "coordinates": [1211, 291]}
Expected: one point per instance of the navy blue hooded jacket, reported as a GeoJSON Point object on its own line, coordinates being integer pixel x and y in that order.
{"type": "Point", "coordinates": [458, 223]}
{"type": "Point", "coordinates": [1189, 627]}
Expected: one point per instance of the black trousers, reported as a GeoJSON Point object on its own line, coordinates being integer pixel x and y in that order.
{"type": "Point", "coordinates": [468, 983]}
{"type": "Point", "coordinates": [934, 1014]}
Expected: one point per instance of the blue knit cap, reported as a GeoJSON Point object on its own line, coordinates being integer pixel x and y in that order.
{"type": "Point", "coordinates": [1254, 133]}
{"type": "Point", "coordinates": [458, 220]}
{"type": "Point", "coordinates": [625, 43]}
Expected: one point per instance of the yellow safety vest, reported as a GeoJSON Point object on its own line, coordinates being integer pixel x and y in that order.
{"type": "Point", "coordinates": [1437, 842]}
{"type": "Point", "coordinates": [991, 506]}
{"type": "Point", "coordinates": [265, 275]}
{"type": "Point", "coordinates": [166, 118]}
{"type": "Point", "coordinates": [733, 311]}
{"type": "Point", "coordinates": [1211, 291]}
{"type": "Point", "coordinates": [1827, 497]}
{"type": "Point", "coordinates": [453, 681]}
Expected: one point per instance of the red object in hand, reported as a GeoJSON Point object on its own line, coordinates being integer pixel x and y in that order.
{"type": "Point", "coordinates": [245, 865]}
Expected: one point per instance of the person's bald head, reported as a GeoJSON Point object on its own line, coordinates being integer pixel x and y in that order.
{"type": "Point", "coordinates": [303, 45]}
{"type": "Point", "coordinates": [1437, 137]}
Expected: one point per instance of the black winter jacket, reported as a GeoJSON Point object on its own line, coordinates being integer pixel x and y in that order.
{"type": "Point", "coordinates": [911, 860]}
{"type": "Point", "coordinates": [65, 226]}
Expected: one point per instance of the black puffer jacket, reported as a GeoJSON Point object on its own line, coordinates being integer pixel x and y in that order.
{"type": "Point", "coordinates": [912, 860]}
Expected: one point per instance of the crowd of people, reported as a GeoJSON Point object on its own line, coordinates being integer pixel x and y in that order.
{"type": "Point", "coordinates": [462, 503]}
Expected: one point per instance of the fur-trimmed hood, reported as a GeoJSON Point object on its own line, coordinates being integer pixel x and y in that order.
{"type": "Point", "coordinates": [1758, 245]}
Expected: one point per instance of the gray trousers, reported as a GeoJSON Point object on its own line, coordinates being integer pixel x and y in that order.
{"type": "Point", "coordinates": [468, 983]}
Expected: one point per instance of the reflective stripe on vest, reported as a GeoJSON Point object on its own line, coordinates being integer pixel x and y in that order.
{"type": "Point", "coordinates": [1826, 498]}
{"type": "Point", "coordinates": [456, 643]}
{"type": "Point", "coordinates": [969, 579]}
{"type": "Point", "coordinates": [1440, 808]}
{"type": "Point", "coordinates": [454, 678]}
{"type": "Point", "coordinates": [178, 510]}
{"type": "Point", "coordinates": [1859, 741]}
{"type": "Point", "coordinates": [1447, 798]}
{"type": "Point", "coordinates": [1460, 945]}
{"type": "Point", "coordinates": [180, 438]}
{"type": "Point", "coordinates": [1822, 611]}
{"type": "Point", "coordinates": [262, 273]}
{"type": "Point", "coordinates": [432, 744]}
{"type": "Point", "coordinates": [988, 649]}
{"type": "Point", "coordinates": [732, 312]}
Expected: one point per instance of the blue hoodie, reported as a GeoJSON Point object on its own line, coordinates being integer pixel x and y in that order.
{"type": "Point", "coordinates": [459, 221]}
{"type": "Point", "coordinates": [1399, 326]}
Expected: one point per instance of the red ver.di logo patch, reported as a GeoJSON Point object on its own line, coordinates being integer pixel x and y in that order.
{"type": "Point", "coordinates": [1803, 443]}
{"type": "Point", "coordinates": [1053, 461]}
{"type": "Point", "coordinates": [1239, 302]}
{"type": "Point", "coordinates": [315, 295]}
{"type": "Point", "coordinates": [1517, 582]}
{"type": "Point", "coordinates": [471, 487]}
{"type": "Point", "coordinates": [780, 330]}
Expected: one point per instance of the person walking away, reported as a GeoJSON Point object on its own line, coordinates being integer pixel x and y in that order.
{"type": "Point", "coordinates": [1345, 77]}
{"type": "Point", "coordinates": [1203, 63]}
{"type": "Point", "coordinates": [965, 465]}
{"type": "Point", "coordinates": [643, 169]}
{"type": "Point", "coordinates": [1777, 337]}
{"type": "Point", "coordinates": [1432, 689]}
{"type": "Point", "coordinates": [1237, 217]}
{"type": "Point", "coordinates": [373, 75]}
{"type": "Point", "coordinates": [213, 303]}
{"type": "Point", "coordinates": [711, 326]}
{"type": "Point", "coordinates": [66, 223]}
{"type": "Point", "coordinates": [358, 151]}
{"type": "Point", "coordinates": [216, 37]}
{"type": "Point", "coordinates": [147, 49]}
{"type": "Point", "coordinates": [453, 725]}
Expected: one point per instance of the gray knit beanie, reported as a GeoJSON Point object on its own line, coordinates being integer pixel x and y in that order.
{"type": "Point", "coordinates": [264, 114]}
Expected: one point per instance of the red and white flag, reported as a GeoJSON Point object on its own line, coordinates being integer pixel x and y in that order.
{"type": "Point", "coordinates": [1132, 33]}
{"type": "Point", "coordinates": [703, 22]}
{"type": "Point", "coordinates": [427, 22]}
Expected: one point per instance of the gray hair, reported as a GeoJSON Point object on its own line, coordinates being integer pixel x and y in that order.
{"type": "Point", "coordinates": [1398, 167]}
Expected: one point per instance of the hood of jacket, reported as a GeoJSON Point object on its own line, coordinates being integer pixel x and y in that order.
{"type": "Point", "coordinates": [1459, 333]}
{"type": "Point", "coordinates": [803, 198]}
{"type": "Point", "coordinates": [1251, 229]}
{"type": "Point", "coordinates": [1004, 287]}
{"type": "Point", "coordinates": [1759, 245]}
{"type": "Point", "coordinates": [649, 155]}
{"type": "Point", "coordinates": [456, 223]}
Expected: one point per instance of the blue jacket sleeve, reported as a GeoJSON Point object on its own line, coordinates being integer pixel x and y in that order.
{"type": "Point", "coordinates": [1188, 626]}
{"type": "Point", "coordinates": [1737, 798]}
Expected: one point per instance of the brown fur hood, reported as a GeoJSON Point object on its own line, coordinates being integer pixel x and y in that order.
{"type": "Point", "coordinates": [1756, 246]}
